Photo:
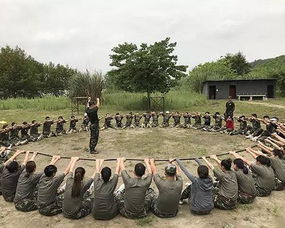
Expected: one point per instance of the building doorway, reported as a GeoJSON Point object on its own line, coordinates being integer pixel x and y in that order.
{"type": "Point", "coordinates": [212, 92]}
{"type": "Point", "coordinates": [233, 92]}
{"type": "Point", "coordinates": [270, 91]}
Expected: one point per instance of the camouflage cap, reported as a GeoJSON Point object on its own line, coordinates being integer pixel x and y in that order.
{"type": "Point", "coordinates": [170, 169]}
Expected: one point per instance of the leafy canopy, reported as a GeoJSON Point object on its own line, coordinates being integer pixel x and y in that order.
{"type": "Point", "coordinates": [147, 68]}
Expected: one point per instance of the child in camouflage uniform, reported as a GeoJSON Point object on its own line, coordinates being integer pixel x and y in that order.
{"type": "Point", "coordinates": [187, 120]}
{"type": "Point", "coordinates": [129, 121]}
{"type": "Point", "coordinates": [137, 119]}
{"type": "Point", "coordinates": [197, 123]}
{"type": "Point", "coordinates": [107, 122]}
{"type": "Point", "coordinates": [49, 203]}
{"type": "Point", "coordinates": [4, 135]}
{"type": "Point", "coordinates": [72, 124]}
{"type": "Point", "coordinates": [154, 117]}
{"type": "Point", "coordinates": [225, 195]}
{"type": "Point", "coordinates": [166, 118]}
{"type": "Point", "coordinates": [34, 131]}
{"type": "Point", "coordinates": [242, 126]}
{"type": "Point", "coordinates": [59, 130]}
{"type": "Point", "coordinates": [218, 122]}
{"type": "Point", "coordinates": [85, 123]}
{"type": "Point", "coordinates": [146, 121]}
{"type": "Point", "coordinates": [176, 118]}
{"type": "Point", "coordinates": [47, 127]}
{"type": "Point", "coordinates": [25, 197]}
{"type": "Point", "coordinates": [118, 119]}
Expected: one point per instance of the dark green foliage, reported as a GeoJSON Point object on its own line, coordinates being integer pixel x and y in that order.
{"type": "Point", "coordinates": [207, 71]}
{"type": "Point", "coordinates": [148, 68]}
{"type": "Point", "coordinates": [270, 68]}
{"type": "Point", "coordinates": [237, 62]}
{"type": "Point", "coordinates": [22, 76]}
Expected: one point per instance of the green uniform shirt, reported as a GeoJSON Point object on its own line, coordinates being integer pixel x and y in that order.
{"type": "Point", "coordinates": [47, 189]}
{"type": "Point", "coordinates": [228, 186]}
{"type": "Point", "coordinates": [264, 176]}
{"type": "Point", "coordinates": [169, 194]}
{"type": "Point", "coordinates": [278, 165]}
{"type": "Point", "coordinates": [71, 205]}
{"type": "Point", "coordinates": [104, 206]}
{"type": "Point", "coordinates": [26, 186]}
{"type": "Point", "coordinates": [135, 192]}
{"type": "Point", "coordinates": [245, 182]}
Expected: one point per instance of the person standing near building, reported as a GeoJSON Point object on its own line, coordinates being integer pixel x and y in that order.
{"type": "Point", "coordinates": [91, 110]}
{"type": "Point", "coordinates": [230, 108]}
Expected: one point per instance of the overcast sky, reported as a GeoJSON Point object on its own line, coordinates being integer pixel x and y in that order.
{"type": "Point", "coordinates": [82, 33]}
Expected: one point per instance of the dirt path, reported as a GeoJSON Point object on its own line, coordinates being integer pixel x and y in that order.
{"type": "Point", "coordinates": [264, 104]}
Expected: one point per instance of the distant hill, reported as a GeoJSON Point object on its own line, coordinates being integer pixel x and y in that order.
{"type": "Point", "coordinates": [270, 62]}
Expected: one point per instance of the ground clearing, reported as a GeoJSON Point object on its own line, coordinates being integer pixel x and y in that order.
{"type": "Point", "coordinates": [158, 143]}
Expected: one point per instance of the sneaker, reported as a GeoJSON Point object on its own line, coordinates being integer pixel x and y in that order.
{"type": "Point", "coordinates": [248, 137]}
{"type": "Point", "coordinates": [181, 202]}
{"type": "Point", "coordinates": [94, 152]}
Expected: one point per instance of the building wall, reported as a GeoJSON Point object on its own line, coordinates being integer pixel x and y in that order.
{"type": "Point", "coordinates": [242, 88]}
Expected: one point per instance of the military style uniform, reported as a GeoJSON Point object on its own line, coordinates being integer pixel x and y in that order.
{"type": "Point", "coordinates": [137, 119]}
{"type": "Point", "coordinates": [154, 120]}
{"type": "Point", "coordinates": [255, 130]}
{"type": "Point", "coordinates": [59, 127]}
{"type": "Point", "coordinates": [108, 123]}
{"type": "Point", "coordinates": [187, 120]}
{"type": "Point", "coordinates": [147, 117]}
{"type": "Point", "coordinates": [176, 118]}
{"type": "Point", "coordinates": [165, 121]}
{"type": "Point", "coordinates": [47, 129]}
{"type": "Point", "coordinates": [72, 125]}
{"type": "Point", "coordinates": [230, 108]}
{"type": "Point", "coordinates": [243, 128]}
{"type": "Point", "coordinates": [94, 127]}
{"type": "Point", "coordinates": [34, 131]}
{"type": "Point", "coordinates": [129, 121]}
{"type": "Point", "coordinates": [197, 123]}
{"type": "Point", "coordinates": [118, 119]}
{"type": "Point", "coordinates": [4, 137]}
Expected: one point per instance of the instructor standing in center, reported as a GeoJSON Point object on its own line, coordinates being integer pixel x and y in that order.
{"type": "Point", "coordinates": [91, 110]}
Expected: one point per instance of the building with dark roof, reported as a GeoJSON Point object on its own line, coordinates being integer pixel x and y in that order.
{"type": "Point", "coordinates": [240, 89]}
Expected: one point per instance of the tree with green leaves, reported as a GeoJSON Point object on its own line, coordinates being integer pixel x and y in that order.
{"type": "Point", "coordinates": [147, 68]}
{"type": "Point", "coordinates": [237, 62]}
{"type": "Point", "coordinates": [207, 71]}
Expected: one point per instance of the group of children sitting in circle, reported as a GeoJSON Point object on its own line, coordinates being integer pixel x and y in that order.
{"type": "Point", "coordinates": [9, 135]}
{"type": "Point", "coordinates": [240, 182]}
{"type": "Point", "coordinates": [151, 120]}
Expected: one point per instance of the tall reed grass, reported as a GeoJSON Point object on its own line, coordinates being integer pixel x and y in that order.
{"type": "Point", "coordinates": [174, 100]}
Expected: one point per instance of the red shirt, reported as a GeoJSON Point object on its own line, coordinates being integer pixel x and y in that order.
{"type": "Point", "coordinates": [230, 124]}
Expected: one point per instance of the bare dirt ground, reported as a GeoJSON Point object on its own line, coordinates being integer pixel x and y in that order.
{"type": "Point", "coordinates": [157, 143]}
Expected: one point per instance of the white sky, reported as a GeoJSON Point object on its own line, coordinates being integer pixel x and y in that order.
{"type": "Point", "coordinates": [81, 33]}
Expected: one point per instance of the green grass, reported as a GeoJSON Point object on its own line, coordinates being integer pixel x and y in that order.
{"type": "Point", "coordinates": [21, 109]}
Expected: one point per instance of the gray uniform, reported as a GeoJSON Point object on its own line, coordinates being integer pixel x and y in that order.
{"type": "Point", "coordinates": [105, 206]}
{"type": "Point", "coordinates": [76, 207]}
{"type": "Point", "coordinates": [166, 204]}
{"type": "Point", "coordinates": [136, 199]}
{"type": "Point", "coordinates": [264, 179]}
{"type": "Point", "coordinates": [278, 165]}
{"type": "Point", "coordinates": [246, 187]}
{"type": "Point", "coordinates": [25, 194]}
{"type": "Point", "coordinates": [9, 183]}
{"type": "Point", "coordinates": [48, 202]}
{"type": "Point", "coordinates": [225, 197]}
